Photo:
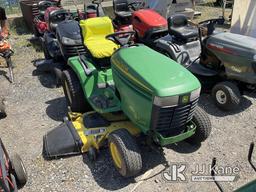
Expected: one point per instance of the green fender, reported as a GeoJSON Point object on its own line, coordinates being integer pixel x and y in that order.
{"type": "Point", "coordinates": [98, 86]}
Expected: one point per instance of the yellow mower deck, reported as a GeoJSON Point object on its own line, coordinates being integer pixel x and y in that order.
{"type": "Point", "coordinates": [95, 137]}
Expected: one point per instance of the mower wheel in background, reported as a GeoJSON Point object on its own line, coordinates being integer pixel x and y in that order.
{"type": "Point", "coordinates": [2, 110]}
{"type": "Point", "coordinates": [125, 153]}
{"type": "Point", "coordinates": [73, 92]}
{"type": "Point", "coordinates": [203, 126]}
{"type": "Point", "coordinates": [19, 170]}
{"type": "Point", "coordinates": [226, 95]}
{"type": "Point", "coordinates": [35, 31]}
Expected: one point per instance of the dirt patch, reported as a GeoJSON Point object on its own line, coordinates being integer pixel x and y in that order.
{"type": "Point", "coordinates": [34, 107]}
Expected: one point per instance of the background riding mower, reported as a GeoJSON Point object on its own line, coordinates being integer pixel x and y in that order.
{"type": "Point", "coordinates": [132, 91]}
{"type": "Point", "coordinates": [39, 24]}
{"type": "Point", "coordinates": [65, 39]}
{"type": "Point", "coordinates": [123, 10]}
{"type": "Point", "coordinates": [147, 23]}
{"type": "Point", "coordinates": [13, 174]}
{"type": "Point", "coordinates": [223, 62]}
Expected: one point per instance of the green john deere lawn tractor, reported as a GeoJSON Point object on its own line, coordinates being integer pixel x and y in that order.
{"type": "Point", "coordinates": [120, 91]}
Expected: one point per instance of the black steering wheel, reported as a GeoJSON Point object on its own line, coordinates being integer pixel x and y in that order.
{"type": "Point", "coordinates": [210, 24]}
{"type": "Point", "coordinates": [136, 5]}
{"type": "Point", "coordinates": [121, 38]}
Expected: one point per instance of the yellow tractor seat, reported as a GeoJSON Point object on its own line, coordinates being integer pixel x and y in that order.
{"type": "Point", "coordinates": [94, 32]}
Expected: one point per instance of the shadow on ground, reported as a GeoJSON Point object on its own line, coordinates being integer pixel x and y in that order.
{"type": "Point", "coordinates": [36, 43]}
{"type": "Point", "coordinates": [19, 26]}
{"type": "Point", "coordinates": [47, 79]}
{"type": "Point", "coordinates": [107, 177]}
{"type": "Point", "coordinates": [57, 109]}
{"type": "Point", "coordinates": [6, 75]}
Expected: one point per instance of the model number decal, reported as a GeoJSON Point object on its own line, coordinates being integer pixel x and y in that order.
{"type": "Point", "coordinates": [95, 131]}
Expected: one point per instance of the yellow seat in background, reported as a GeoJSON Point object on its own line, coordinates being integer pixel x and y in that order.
{"type": "Point", "coordinates": [94, 32]}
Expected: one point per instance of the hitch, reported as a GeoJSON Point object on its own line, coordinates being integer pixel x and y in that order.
{"type": "Point", "coordinates": [214, 160]}
{"type": "Point", "coordinates": [251, 149]}
{"type": "Point", "coordinates": [250, 152]}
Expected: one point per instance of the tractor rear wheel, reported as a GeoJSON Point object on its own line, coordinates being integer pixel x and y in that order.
{"type": "Point", "coordinates": [73, 92]}
{"type": "Point", "coordinates": [226, 95]}
{"type": "Point", "coordinates": [19, 170]}
{"type": "Point", "coordinates": [125, 153]}
{"type": "Point", "coordinates": [203, 126]}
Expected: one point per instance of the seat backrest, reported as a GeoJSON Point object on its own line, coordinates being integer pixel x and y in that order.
{"type": "Point", "coordinates": [177, 21]}
{"type": "Point", "coordinates": [120, 5]}
{"type": "Point", "coordinates": [99, 26]}
{"type": "Point", "coordinates": [43, 5]}
{"type": "Point", "coordinates": [57, 16]}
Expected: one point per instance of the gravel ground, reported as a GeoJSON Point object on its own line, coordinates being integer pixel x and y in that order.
{"type": "Point", "coordinates": [35, 107]}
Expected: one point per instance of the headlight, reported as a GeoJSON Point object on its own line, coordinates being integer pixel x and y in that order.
{"type": "Point", "coordinates": [68, 41]}
{"type": "Point", "coordinates": [178, 99]}
{"type": "Point", "coordinates": [166, 101]}
{"type": "Point", "coordinates": [195, 94]}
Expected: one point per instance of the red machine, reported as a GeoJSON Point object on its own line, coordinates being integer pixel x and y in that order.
{"type": "Point", "coordinates": [148, 25]}
{"type": "Point", "coordinates": [40, 25]}
{"type": "Point", "coordinates": [13, 175]}
{"type": "Point", "coordinates": [49, 15]}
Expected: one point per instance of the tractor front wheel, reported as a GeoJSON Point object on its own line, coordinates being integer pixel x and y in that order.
{"type": "Point", "coordinates": [19, 170]}
{"type": "Point", "coordinates": [73, 92]}
{"type": "Point", "coordinates": [203, 126]}
{"type": "Point", "coordinates": [125, 153]}
{"type": "Point", "coordinates": [226, 95]}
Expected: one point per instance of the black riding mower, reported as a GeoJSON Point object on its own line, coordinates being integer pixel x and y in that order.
{"type": "Point", "coordinates": [122, 91]}
{"type": "Point", "coordinates": [225, 63]}
{"type": "Point", "coordinates": [64, 38]}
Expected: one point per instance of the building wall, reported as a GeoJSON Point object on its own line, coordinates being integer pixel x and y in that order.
{"type": "Point", "coordinates": [244, 18]}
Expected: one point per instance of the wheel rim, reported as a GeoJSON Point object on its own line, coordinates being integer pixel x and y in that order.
{"type": "Point", "coordinates": [221, 97]}
{"type": "Point", "coordinates": [68, 92]}
{"type": "Point", "coordinates": [115, 155]}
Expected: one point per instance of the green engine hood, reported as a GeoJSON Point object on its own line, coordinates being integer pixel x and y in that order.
{"type": "Point", "coordinates": [153, 72]}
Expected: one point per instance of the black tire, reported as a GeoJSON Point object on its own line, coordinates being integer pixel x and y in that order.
{"type": "Point", "coordinates": [19, 171]}
{"type": "Point", "coordinates": [73, 92]}
{"type": "Point", "coordinates": [226, 95]}
{"type": "Point", "coordinates": [219, 2]}
{"type": "Point", "coordinates": [92, 154]}
{"type": "Point", "coordinates": [45, 50]}
{"type": "Point", "coordinates": [35, 31]}
{"type": "Point", "coordinates": [203, 126]}
{"type": "Point", "coordinates": [131, 161]}
{"type": "Point", "coordinates": [2, 110]}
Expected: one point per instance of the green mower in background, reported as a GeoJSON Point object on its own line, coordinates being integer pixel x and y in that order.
{"type": "Point", "coordinates": [144, 92]}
